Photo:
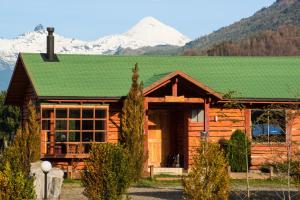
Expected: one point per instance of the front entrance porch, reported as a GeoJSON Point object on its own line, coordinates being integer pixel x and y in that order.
{"type": "Point", "coordinates": [166, 138]}
{"type": "Point", "coordinates": [177, 111]}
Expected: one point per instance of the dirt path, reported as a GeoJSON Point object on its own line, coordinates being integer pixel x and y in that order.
{"type": "Point", "coordinates": [74, 192]}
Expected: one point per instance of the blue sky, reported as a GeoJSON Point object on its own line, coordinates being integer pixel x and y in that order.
{"type": "Point", "coordinates": [90, 19]}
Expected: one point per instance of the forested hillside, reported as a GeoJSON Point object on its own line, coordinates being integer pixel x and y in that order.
{"type": "Point", "coordinates": [282, 12]}
{"type": "Point", "coordinates": [285, 41]}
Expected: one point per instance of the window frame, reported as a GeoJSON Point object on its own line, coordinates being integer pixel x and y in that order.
{"type": "Point", "coordinates": [198, 110]}
{"type": "Point", "coordinates": [268, 124]}
{"type": "Point", "coordinates": [68, 119]}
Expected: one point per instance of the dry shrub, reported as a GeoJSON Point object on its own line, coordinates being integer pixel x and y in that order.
{"type": "Point", "coordinates": [106, 176]}
{"type": "Point", "coordinates": [208, 179]}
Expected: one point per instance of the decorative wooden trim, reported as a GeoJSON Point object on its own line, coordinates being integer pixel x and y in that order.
{"type": "Point", "coordinates": [52, 133]}
{"type": "Point", "coordinates": [43, 142]}
{"type": "Point", "coordinates": [174, 99]}
{"type": "Point", "coordinates": [106, 124]}
{"type": "Point", "coordinates": [247, 113]}
{"type": "Point", "coordinates": [175, 87]}
{"type": "Point", "coordinates": [258, 101]}
{"type": "Point", "coordinates": [98, 100]}
{"type": "Point", "coordinates": [167, 99]}
{"type": "Point", "coordinates": [74, 106]}
{"type": "Point", "coordinates": [206, 116]}
{"type": "Point", "coordinates": [166, 79]}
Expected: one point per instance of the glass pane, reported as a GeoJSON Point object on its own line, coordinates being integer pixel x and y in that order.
{"type": "Point", "coordinates": [61, 124]}
{"type": "Point", "coordinates": [74, 124]}
{"type": "Point", "coordinates": [87, 125]}
{"type": "Point", "coordinates": [61, 113]}
{"type": "Point", "coordinates": [100, 137]}
{"type": "Point", "coordinates": [100, 113]}
{"type": "Point", "coordinates": [60, 137]}
{"type": "Point", "coordinates": [74, 136]}
{"type": "Point", "coordinates": [201, 116]}
{"type": "Point", "coordinates": [197, 115]}
{"type": "Point", "coordinates": [48, 136]}
{"type": "Point", "coordinates": [194, 115]}
{"type": "Point", "coordinates": [100, 124]}
{"type": "Point", "coordinates": [60, 148]}
{"type": "Point", "coordinates": [74, 113]}
{"type": "Point", "coordinates": [87, 113]}
{"type": "Point", "coordinates": [46, 125]}
{"type": "Point", "coordinates": [87, 137]}
{"type": "Point", "coordinates": [46, 112]}
{"type": "Point", "coordinates": [268, 126]}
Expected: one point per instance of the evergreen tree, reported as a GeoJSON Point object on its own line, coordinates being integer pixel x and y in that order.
{"type": "Point", "coordinates": [238, 151]}
{"type": "Point", "coordinates": [32, 129]}
{"type": "Point", "coordinates": [9, 119]}
{"type": "Point", "coordinates": [132, 124]}
{"type": "Point", "coordinates": [15, 179]}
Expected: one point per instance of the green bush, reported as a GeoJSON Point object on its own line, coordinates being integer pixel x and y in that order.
{"type": "Point", "coordinates": [15, 182]}
{"type": "Point", "coordinates": [238, 151]}
{"type": "Point", "coordinates": [107, 172]}
{"type": "Point", "coordinates": [208, 179]}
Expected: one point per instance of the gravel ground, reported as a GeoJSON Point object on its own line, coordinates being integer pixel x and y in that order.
{"type": "Point", "coordinates": [74, 192]}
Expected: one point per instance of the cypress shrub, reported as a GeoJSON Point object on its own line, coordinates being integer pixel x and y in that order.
{"type": "Point", "coordinates": [132, 126]}
{"type": "Point", "coordinates": [106, 176]}
{"type": "Point", "coordinates": [208, 179]}
{"type": "Point", "coordinates": [15, 180]}
{"type": "Point", "coordinates": [238, 151]}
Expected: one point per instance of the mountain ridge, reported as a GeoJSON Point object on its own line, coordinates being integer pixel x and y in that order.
{"type": "Point", "coordinates": [279, 13]}
{"type": "Point", "coordinates": [136, 37]}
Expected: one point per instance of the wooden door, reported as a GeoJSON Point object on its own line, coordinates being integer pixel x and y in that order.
{"type": "Point", "coordinates": [158, 138]}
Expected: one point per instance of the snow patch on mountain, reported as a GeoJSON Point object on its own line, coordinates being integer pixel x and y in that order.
{"type": "Point", "coordinates": [147, 32]}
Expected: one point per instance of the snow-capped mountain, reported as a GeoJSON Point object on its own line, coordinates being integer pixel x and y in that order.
{"type": "Point", "coordinates": [147, 32]}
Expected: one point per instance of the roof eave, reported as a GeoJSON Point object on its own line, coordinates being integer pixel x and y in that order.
{"type": "Point", "coordinates": [80, 98]}
{"type": "Point", "coordinates": [262, 100]}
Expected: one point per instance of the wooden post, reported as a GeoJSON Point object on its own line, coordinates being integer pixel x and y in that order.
{"type": "Point", "coordinates": [52, 134]}
{"type": "Point", "coordinates": [151, 171]}
{"type": "Point", "coordinates": [175, 88]}
{"type": "Point", "coordinates": [247, 122]}
{"type": "Point", "coordinates": [271, 172]}
{"type": "Point", "coordinates": [70, 171]}
{"type": "Point", "coordinates": [229, 170]}
{"type": "Point", "coordinates": [206, 116]}
{"type": "Point", "coordinates": [146, 106]}
{"type": "Point", "coordinates": [43, 143]}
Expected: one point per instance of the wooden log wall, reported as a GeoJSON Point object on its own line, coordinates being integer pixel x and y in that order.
{"type": "Point", "coordinates": [223, 122]}
{"type": "Point", "coordinates": [114, 125]}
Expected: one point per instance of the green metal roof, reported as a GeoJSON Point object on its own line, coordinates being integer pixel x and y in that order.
{"type": "Point", "coordinates": [110, 76]}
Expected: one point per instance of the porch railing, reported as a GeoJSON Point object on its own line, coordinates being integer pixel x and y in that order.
{"type": "Point", "coordinates": [70, 148]}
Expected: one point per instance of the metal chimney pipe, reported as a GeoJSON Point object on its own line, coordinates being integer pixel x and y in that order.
{"type": "Point", "coordinates": [50, 44]}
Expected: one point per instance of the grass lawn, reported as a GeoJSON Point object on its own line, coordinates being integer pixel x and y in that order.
{"type": "Point", "coordinates": [175, 181]}
{"type": "Point", "coordinates": [72, 182]}
{"type": "Point", "coordinates": [274, 183]}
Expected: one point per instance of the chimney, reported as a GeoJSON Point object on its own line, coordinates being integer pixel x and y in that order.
{"type": "Point", "coordinates": [50, 44]}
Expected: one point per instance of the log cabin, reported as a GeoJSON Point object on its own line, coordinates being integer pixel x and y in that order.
{"type": "Point", "coordinates": [80, 97]}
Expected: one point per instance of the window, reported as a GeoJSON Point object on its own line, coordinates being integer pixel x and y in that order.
{"type": "Point", "coordinates": [197, 115]}
{"type": "Point", "coordinates": [268, 126]}
{"type": "Point", "coordinates": [82, 124]}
